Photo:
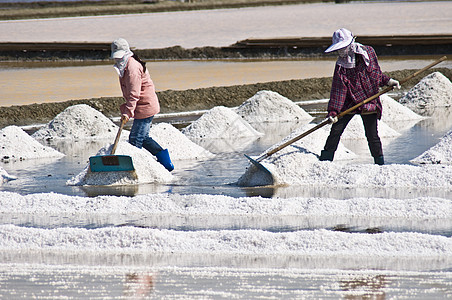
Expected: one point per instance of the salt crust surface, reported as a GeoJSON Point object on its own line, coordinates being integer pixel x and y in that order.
{"type": "Point", "coordinates": [178, 145]}
{"type": "Point", "coordinates": [220, 123]}
{"type": "Point", "coordinates": [434, 90]}
{"type": "Point", "coordinates": [79, 122]}
{"type": "Point", "coordinates": [269, 106]}
{"type": "Point", "coordinates": [147, 169]}
{"type": "Point", "coordinates": [16, 144]}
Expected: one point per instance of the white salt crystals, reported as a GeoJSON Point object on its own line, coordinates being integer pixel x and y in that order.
{"type": "Point", "coordinates": [220, 123]}
{"type": "Point", "coordinates": [17, 145]}
{"type": "Point", "coordinates": [78, 122]}
{"type": "Point", "coordinates": [434, 90]}
{"type": "Point", "coordinates": [268, 106]}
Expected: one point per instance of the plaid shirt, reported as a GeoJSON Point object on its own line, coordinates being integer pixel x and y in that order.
{"type": "Point", "coordinates": [352, 86]}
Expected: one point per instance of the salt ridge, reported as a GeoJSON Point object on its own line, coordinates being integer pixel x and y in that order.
{"type": "Point", "coordinates": [174, 204]}
{"type": "Point", "coordinates": [316, 242]}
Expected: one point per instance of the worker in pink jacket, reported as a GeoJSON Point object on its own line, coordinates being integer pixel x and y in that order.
{"type": "Point", "coordinates": [141, 100]}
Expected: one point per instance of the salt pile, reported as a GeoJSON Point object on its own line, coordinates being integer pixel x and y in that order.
{"type": "Point", "coordinates": [178, 145]}
{"type": "Point", "coordinates": [220, 123]}
{"type": "Point", "coordinates": [78, 122]}
{"type": "Point", "coordinates": [393, 111]}
{"type": "Point", "coordinates": [17, 145]}
{"type": "Point", "coordinates": [147, 169]}
{"type": "Point", "coordinates": [441, 153]}
{"type": "Point", "coordinates": [434, 90]}
{"type": "Point", "coordinates": [5, 177]}
{"type": "Point", "coordinates": [268, 106]}
{"type": "Point", "coordinates": [298, 170]}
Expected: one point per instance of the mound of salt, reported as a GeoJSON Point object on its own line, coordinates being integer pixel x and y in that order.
{"type": "Point", "coordinates": [434, 90]}
{"type": "Point", "coordinates": [268, 106]}
{"type": "Point", "coordinates": [296, 170]}
{"type": "Point", "coordinates": [5, 177]}
{"type": "Point", "coordinates": [220, 122]}
{"type": "Point", "coordinates": [147, 169]}
{"type": "Point", "coordinates": [393, 111]}
{"type": "Point", "coordinates": [179, 146]}
{"type": "Point", "coordinates": [16, 145]}
{"type": "Point", "coordinates": [440, 153]}
{"type": "Point", "coordinates": [297, 156]}
{"type": "Point", "coordinates": [78, 122]}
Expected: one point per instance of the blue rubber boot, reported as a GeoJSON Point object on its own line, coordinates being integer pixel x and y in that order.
{"type": "Point", "coordinates": [379, 160]}
{"type": "Point", "coordinates": [164, 158]}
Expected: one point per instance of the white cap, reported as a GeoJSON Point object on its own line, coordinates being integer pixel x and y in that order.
{"type": "Point", "coordinates": [119, 48]}
{"type": "Point", "coordinates": [341, 39]}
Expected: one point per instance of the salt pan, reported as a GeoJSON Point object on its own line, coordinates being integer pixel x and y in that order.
{"type": "Point", "coordinates": [17, 145]}
{"type": "Point", "coordinates": [440, 153]}
{"type": "Point", "coordinates": [434, 90]}
{"type": "Point", "coordinates": [268, 106]}
{"type": "Point", "coordinates": [78, 122]}
{"type": "Point", "coordinates": [178, 145]}
{"type": "Point", "coordinates": [147, 169]}
{"type": "Point", "coordinates": [394, 111]}
{"type": "Point", "coordinates": [220, 122]}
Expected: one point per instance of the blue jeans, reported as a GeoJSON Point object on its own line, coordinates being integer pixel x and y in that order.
{"type": "Point", "coordinates": [139, 136]}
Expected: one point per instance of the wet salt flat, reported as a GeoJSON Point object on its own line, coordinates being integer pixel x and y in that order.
{"type": "Point", "coordinates": [353, 229]}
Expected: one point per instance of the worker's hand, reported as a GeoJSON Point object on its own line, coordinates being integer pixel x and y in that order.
{"type": "Point", "coordinates": [394, 83]}
{"type": "Point", "coordinates": [124, 118]}
{"type": "Point", "coordinates": [333, 119]}
{"type": "Point", "coordinates": [332, 116]}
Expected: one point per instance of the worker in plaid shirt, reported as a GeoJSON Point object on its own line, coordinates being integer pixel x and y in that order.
{"type": "Point", "coordinates": [357, 76]}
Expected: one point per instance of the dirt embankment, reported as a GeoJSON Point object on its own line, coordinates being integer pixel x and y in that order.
{"type": "Point", "coordinates": [193, 99]}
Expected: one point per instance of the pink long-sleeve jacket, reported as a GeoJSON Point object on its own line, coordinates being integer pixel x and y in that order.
{"type": "Point", "coordinates": [139, 92]}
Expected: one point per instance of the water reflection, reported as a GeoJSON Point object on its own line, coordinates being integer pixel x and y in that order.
{"type": "Point", "coordinates": [368, 287]}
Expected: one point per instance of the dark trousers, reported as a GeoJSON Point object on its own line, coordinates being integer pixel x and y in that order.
{"type": "Point", "coordinates": [370, 127]}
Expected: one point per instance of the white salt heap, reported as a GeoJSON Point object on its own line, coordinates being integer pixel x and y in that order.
{"type": "Point", "coordinates": [16, 145]}
{"type": "Point", "coordinates": [393, 111]}
{"type": "Point", "coordinates": [78, 122]}
{"type": "Point", "coordinates": [220, 123]}
{"type": "Point", "coordinates": [147, 169]}
{"type": "Point", "coordinates": [434, 90]}
{"type": "Point", "coordinates": [178, 145]}
{"type": "Point", "coordinates": [268, 106]}
{"type": "Point", "coordinates": [441, 153]}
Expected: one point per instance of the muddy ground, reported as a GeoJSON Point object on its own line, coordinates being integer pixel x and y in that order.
{"type": "Point", "coordinates": [194, 99]}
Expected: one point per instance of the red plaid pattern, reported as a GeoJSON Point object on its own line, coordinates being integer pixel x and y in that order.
{"type": "Point", "coordinates": [352, 86]}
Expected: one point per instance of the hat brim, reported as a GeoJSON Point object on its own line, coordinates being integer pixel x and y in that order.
{"type": "Point", "coordinates": [118, 54]}
{"type": "Point", "coordinates": [338, 46]}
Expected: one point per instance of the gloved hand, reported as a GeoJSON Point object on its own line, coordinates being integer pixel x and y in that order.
{"type": "Point", "coordinates": [394, 83]}
{"type": "Point", "coordinates": [332, 116]}
{"type": "Point", "coordinates": [124, 118]}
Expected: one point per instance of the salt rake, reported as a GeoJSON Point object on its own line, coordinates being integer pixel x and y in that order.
{"type": "Point", "coordinates": [256, 162]}
{"type": "Point", "coordinates": [112, 162]}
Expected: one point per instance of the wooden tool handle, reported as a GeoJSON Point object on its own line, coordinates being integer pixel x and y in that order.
{"type": "Point", "coordinates": [118, 135]}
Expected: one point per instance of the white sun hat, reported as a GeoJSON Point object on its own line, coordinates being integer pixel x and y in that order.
{"type": "Point", "coordinates": [341, 39]}
{"type": "Point", "coordinates": [119, 48]}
